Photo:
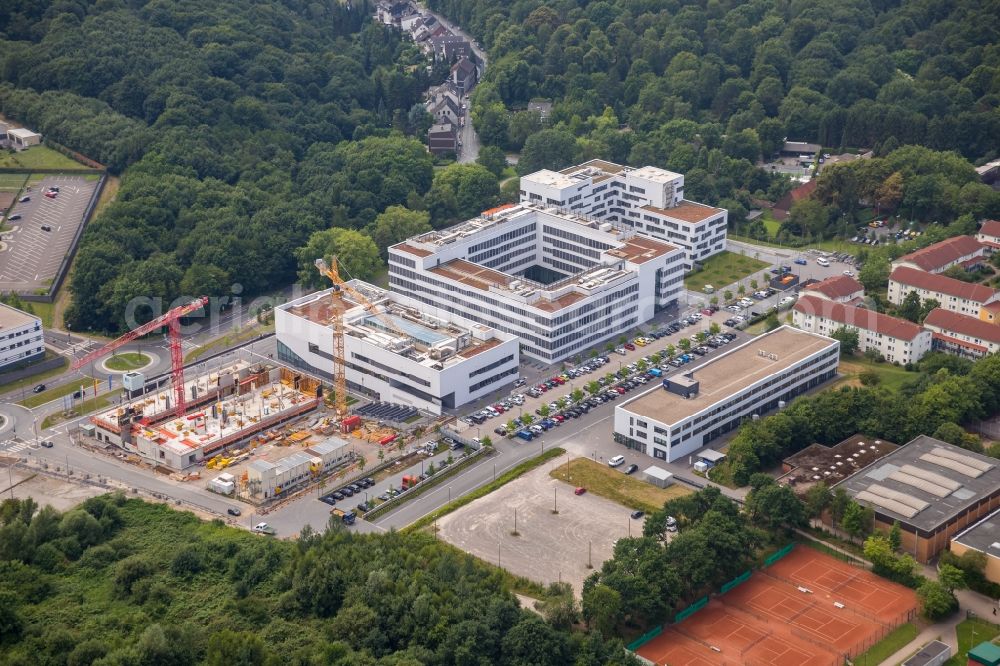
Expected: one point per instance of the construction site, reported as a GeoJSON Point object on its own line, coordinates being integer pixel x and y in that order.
{"type": "Point", "coordinates": [233, 404]}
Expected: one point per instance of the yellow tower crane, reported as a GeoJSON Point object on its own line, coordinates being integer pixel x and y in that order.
{"type": "Point", "coordinates": [340, 287]}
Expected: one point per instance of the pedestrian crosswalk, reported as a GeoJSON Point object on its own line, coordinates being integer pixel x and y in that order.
{"type": "Point", "coordinates": [14, 447]}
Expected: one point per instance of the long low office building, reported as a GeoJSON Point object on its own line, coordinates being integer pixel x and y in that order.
{"type": "Point", "coordinates": [561, 283]}
{"type": "Point", "coordinates": [418, 356]}
{"type": "Point", "coordinates": [648, 199]}
{"type": "Point", "coordinates": [896, 340]}
{"type": "Point", "coordinates": [691, 409]}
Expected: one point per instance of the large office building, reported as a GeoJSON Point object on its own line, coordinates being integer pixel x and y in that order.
{"type": "Point", "coordinates": [562, 283]}
{"type": "Point", "coordinates": [427, 358]}
{"type": "Point", "coordinates": [931, 488]}
{"type": "Point", "coordinates": [21, 336]}
{"type": "Point", "coordinates": [690, 409]}
{"type": "Point", "coordinates": [648, 199]}
{"type": "Point", "coordinates": [896, 340]}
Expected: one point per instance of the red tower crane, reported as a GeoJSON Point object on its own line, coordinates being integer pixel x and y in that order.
{"type": "Point", "coordinates": [171, 320]}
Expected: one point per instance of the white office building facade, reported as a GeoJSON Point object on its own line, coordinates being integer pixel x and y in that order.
{"type": "Point", "coordinates": [21, 336]}
{"type": "Point", "coordinates": [561, 283]}
{"type": "Point", "coordinates": [648, 199]}
{"type": "Point", "coordinates": [689, 410]}
{"type": "Point", "coordinates": [417, 356]}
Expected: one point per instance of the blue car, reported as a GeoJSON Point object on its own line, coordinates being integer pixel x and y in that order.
{"type": "Point", "coordinates": [801, 262]}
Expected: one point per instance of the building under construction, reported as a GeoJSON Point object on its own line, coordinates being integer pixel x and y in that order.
{"type": "Point", "coordinates": [224, 407]}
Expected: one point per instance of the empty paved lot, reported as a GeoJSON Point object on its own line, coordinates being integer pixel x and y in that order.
{"type": "Point", "coordinates": [550, 547]}
{"type": "Point", "coordinates": [31, 257]}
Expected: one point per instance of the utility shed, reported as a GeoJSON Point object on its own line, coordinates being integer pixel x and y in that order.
{"type": "Point", "coordinates": [934, 653]}
{"type": "Point", "coordinates": [658, 476]}
{"type": "Point", "coordinates": [985, 653]}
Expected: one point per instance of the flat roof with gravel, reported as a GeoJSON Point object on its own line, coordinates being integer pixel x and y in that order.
{"type": "Point", "coordinates": [731, 373]}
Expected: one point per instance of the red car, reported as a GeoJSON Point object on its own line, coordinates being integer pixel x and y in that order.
{"type": "Point", "coordinates": [629, 346]}
{"type": "Point", "coordinates": [51, 195]}
{"type": "Point", "coordinates": [707, 311]}
{"type": "Point", "coordinates": [559, 380]}
{"type": "Point", "coordinates": [559, 417]}
{"type": "Point", "coordinates": [580, 490]}
{"type": "Point", "coordinates": [620, 390]}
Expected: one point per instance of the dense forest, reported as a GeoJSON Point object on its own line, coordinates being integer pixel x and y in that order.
{"type": "Point", "coordinates": [705, 89]}
{"type": "Point", "coordinates": [120, 582]}
{"type": "Point", "coordinates": [242, 127]}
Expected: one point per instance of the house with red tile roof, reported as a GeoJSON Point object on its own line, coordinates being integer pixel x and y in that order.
{"type": "Point", "coordinates": [989, 235]}
{"type": "Point", "coordinates": [964, 251]}
{"type": "Point", "coordinates": [955, 295]}
{"type": "Point", "coordinates": [897, 340]}
{"type": "Point", "coordinates": [839, 288]}
{"type": "Point", "coordinates": [784, 205]}
{"type": "Point", "coordinates": [962, 335]}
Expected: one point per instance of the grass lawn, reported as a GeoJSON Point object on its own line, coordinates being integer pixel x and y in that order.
{"type": "Point", "coordinates": [36, 399]}
{"type": "Point", "coordinates": [888, 646]}
{"type": "Point", "coordinates": [970, 634]}
{"type": "Point", "coordinates": [38, 157]}
{"type": "Point", "coordinates": [612, 484]}
{"type": "Point", "coordinates": [722, 270]}
{"type": "Point", "coordinates": [890, 375]}
{"type": "Point", "coordinates": [35, 379]}
{"type": "Point", "coordinates": [12, 182]}
{"type": "Point", "coordinates": [85, 407]}
{"type": "Point", "coordinates": [227, 340]}
{"type": "Point", "coordinates": [127, 361]}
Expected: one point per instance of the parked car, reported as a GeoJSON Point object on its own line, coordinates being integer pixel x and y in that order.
{"type": "Point", "coordinates": [233, 511]}
{"type": "Point", "coordinates": [801, 262]}
{"type": "Point", "coordinates": [580, 490]}
{"type": "Point", "coordinates": [616, 461]}
{"type": "Point", "coordinates": [631, 469]}
{"type": "Point", "coordinates": [636, 515]}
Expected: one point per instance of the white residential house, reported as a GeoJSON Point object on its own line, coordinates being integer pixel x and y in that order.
{"type": "Point", "coordinates": [951, 294]}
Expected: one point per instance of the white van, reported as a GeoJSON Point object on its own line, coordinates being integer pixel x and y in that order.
{"type": "Point", "coordinates": [616, 461]}
{"type": "Point", "coordinates": [708, 289]}
{"type": "Point", "coordinates": [822, 261]}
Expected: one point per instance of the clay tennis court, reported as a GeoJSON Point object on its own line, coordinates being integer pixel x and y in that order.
{"type": "Point", "coordinates": [858, 589]}
{"type": "Point", "coordinates": [774, 622]}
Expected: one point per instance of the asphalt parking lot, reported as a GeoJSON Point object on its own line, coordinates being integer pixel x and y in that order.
{"type": "Point", "coordinates": [31, 257]}
{"type": "Point", "coordinates": [549, 547]}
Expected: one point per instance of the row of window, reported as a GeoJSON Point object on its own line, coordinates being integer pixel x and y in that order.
{"type": "Point", "coordinates": [576, 238]}
{"type": "Point", "coordinates": [492, 380]}
{"type": "Point", "coordinates": [503, 238]}
{"type": "Point", "coordinates": [491, 366]}
{"type": "Point", "coordinates": [555, 242]}
{"type": "Point", "coordinates": [495, 250]}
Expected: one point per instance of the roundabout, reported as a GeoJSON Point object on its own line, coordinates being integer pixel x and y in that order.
{"type": "Point", "coordinates": [129, 361]}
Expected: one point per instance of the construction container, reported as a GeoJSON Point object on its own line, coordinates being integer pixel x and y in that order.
{"type": "Point", "coordinates": [387, 440]}
{"type": "Point", "coordinates": [349, 423]}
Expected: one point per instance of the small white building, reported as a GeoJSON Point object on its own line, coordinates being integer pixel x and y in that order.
{"type": "Point", "coordinates": [429, 358]}
{"type": "Point", "coordinates": [648, 199]}
{"type": "Point", "coordinates": [21, 138]}
{"type": "Point", "coordinates": [897, 340]}
{"type": "Point", "coordinates": [658, 476]}
{"type": "Point", "coordinates": [672, 421]}
{"type": "Point", "coordinates": [21, 336]}
{"type": "Point", "coordinates": [951, 294]}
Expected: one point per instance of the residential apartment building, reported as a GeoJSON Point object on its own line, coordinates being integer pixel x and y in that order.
{"type": "Point", "coordinates": [989, 235]}
{"type": "Point", "coordinates": [414, 355]}
{"type": "Point", "coordinates": [648, 199]}
{"type": "Point", "coordinates": [962, 335]}
{"type": "Point", "coordinates": [561, 283]}
{"type": "Point", "coordinates": [839, 288]}
{"type": "Point", "coordinates": [896, 340]}
{"type": "Point", "coordinates": [21, 336]}
{"type": "Point", "coordinates": [673, 421]}
{"type": "Point", "coordinates": [963, 251]}
{"type": "Point", "coordinates": [951, 294]}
